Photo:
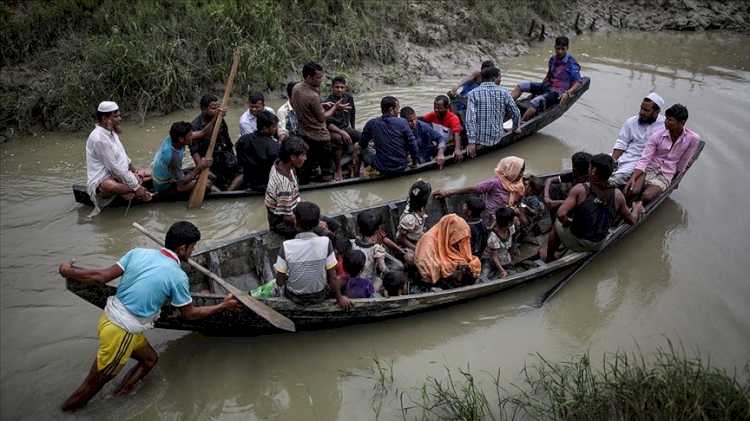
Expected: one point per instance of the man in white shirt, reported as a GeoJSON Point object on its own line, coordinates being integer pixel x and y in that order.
{"type": "Point", "coordinates": [634, 136]}
{"type": "Point", "coordinates": [249, 119]}
{"type": "Point", "coordinates": [109, 171]}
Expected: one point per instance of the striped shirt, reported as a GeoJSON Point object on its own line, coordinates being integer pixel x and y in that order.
{"type": "Point", "coordinates": [305, 260]}
{"type": "Point", "coordinates": [282, 192]}
{"type": "Point", "coordinates": [489, 106]}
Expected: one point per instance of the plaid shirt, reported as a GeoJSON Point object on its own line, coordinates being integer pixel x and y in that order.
{"type": "Point", "coordinates": [488, 107]}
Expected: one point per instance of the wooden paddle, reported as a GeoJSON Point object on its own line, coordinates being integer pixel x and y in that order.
{"type": "Point", "coordinates": [262, 310]}
{"type": "Point", "coordinates": [196, 197]}
{"type": "Point", "coordinates": [558, 286]}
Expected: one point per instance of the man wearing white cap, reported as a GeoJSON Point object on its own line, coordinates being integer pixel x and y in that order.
{"type": "Point", "coordinates": [108, 168]}
{"type": "Point", "coordinates": [634, 136]}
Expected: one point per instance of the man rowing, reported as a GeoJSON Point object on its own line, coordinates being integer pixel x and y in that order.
{"type": "Point", "coordinates": [150, 279]}
{"type": "Point", "coordinates": [109, 171]}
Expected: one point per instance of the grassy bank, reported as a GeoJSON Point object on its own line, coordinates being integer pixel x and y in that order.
{"type": "Point", "coordinates": [667, 385]}
{"type": "Point", "coordinates": [60, 58]}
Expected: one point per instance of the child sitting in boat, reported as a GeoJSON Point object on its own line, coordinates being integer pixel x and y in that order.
{"type": "Point", "coordinates": [354, 285]}
{"type": "Point", "coordinates": [342, 245]}
{"type": "Point", "coordinates": [472, 208]}
{"type": "Point", "coordinates": [306, 264]}
{"type": "Point", "coordinates": [377, 259]}
{"type": "Point", "coordinates": [395, 283]}
{"type": "Point", "coordinates": [412, 221]}
{"type": "Point", "coordinates": [531, 209]}
{"type": "Point", "coordinates": [497, 256]}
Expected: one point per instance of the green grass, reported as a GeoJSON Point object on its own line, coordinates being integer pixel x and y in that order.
{"type": "Point", "coordinates": [61, 57]}
{"type": "Point", "coordinates": [667, 385]}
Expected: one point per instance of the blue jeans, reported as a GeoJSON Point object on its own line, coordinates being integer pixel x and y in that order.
{"type": "Point", "coordinates": [541, 92]}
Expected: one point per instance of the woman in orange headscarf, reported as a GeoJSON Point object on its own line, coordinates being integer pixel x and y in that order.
{"type": "Point", "coordinates": [444, 253]}
{"type": "Point", "coordinates": [505, 189]}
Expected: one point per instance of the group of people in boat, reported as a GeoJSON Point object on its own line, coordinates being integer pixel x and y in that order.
{"type": "Point", "coordinates": [577, 209]}
{"type": "Point", "coordinates": [388, 144]}
{"type": "Point", "coordinates": [314, 263]}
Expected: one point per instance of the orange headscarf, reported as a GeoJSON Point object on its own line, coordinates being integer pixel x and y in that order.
{"type": "Point", "coordinates": [435, 255]}
{"type": "Point", "coordinates": [508, 171]}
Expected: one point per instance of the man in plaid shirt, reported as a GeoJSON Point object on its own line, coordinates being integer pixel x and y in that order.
{"type": "Point", "coordinates": [489, 106]}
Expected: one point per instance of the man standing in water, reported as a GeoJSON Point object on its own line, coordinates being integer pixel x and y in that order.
{"type": "Point", "coordinates": [150, 279]}
{"type": "Point", "coordinates": [667, 154]}
{"type": "Point", "coordinates": [109, 171]}
{"type": "Point", "coordinates": [634, 136]}
{"type": "Point", "coordinates": [562, 80]}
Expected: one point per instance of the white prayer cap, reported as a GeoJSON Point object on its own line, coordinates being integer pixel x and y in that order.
{"type": "Point", "coordinates": [656, 99]}
{"type": "Point", "coordinates": [107, 107]}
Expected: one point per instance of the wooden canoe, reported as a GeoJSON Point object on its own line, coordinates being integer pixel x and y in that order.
{"type": "Point", "coordinates": [247, 260]}
{"type": "Point", "coordinates": [532, 126]}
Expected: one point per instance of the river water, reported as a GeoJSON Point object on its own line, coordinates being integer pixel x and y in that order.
{"type": "Point", "coordinates": [681, 276]}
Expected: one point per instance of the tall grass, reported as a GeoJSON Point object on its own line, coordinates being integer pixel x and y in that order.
{"type": "Point", "coordinates": [60, 58]}
{"type": "Point", "coordinates": [667, 385]}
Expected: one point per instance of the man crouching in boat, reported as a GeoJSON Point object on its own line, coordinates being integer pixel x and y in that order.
{"type": "Point", "coordinates": [109, 171]}
{"type": "Point", "coordinates": [594, 205]}
{"type": "Point", "coordinates": [150, 279]}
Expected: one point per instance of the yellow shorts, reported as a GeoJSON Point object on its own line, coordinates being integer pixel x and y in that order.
{"type": "Point", "coordinates": [115, 346]}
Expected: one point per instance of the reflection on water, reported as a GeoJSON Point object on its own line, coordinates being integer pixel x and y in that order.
{"type": "Point", "coordinates": [682, 274]}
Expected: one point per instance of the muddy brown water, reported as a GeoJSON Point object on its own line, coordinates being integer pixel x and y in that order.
{"type": "Point", "coordinates": [682, 276]}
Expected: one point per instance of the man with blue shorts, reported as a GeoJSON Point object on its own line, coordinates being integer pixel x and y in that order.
{"type": "Point", "coordinates": [562, 80]}
{"type": "Point", "coordinates": [150, 279]}
{"type": "Point", "coordinates": [166, 170]}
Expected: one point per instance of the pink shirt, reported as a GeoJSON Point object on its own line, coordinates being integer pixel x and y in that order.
{"type": "Point", "coordinates": [667, 157]}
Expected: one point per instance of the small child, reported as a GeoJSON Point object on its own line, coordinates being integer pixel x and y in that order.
{"type": "Point", "coordinates": [531, 208]}
{"type": "Point", "coordinates": [497, 257]}
{"type": "Point", "coordinates": [377, 259]}
{"type": "Point", "coordinates": [354, 286]}
{"type": "Point", "coordinates": [395, 283]}
{"type": "Point", "coordinates": [342, 245]}
{"type": "Point", "coordinates": [412, 221]}
{"type": "Point", "coordinates": [472, 208]}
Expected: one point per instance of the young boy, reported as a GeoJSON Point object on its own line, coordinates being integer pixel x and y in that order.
{"type": "Point", "coordinates": [472, 208]}
{"type": "Point", "coordinates": [306, 265]}
{"type": "Point", "coordinates": [531, 208]}
{"type": "Point", "coordinates": [497, 257]}
{"type": "Point", "coordinates": [343, 245]}
{"type": "Point", "coordinates": [354, 284]}
{"type": "Point", "coordinates": [395, 283]}
{"type": "Point", "coordinates": [368, 225]}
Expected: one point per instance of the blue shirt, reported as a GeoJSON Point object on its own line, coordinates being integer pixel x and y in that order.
{"type": "Point", "coordinates": [425, 136]}
{"type": "Point", "coordinates": [561, 76]}
{"type": "Point", "coordinates": [393, 141]}
{"type": "Point", "coordinates": [167, 165]}
{"type": "Point", "coordinates": [489, 106]}
{"type": "Point", "coordinates": [150, 279]}
{"type": "Point", "coordinates": [468, 87]}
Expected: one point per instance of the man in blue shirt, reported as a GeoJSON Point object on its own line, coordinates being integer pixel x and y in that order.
{"type": "Point", "coordinates": [166, 170]}
{"type": "Point", "coordinates": [428, 140]}
{"type": "Point", "coordinates": [150, 279]}
{"type": "Point", "coordinates": [392, 137]}
{"type": "Point", "coordinates": [562, 80]}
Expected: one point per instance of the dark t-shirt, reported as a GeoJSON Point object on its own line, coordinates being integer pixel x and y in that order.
{"type": "Point", "coordinates": [342, 119]}
{"type": "Point", "coordinates": [256, 154]}
{"type": "Point", "coordinates": [478, 237]}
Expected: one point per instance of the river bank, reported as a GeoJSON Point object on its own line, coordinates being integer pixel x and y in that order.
{"type": "Point", "coordinates": [61, 61]}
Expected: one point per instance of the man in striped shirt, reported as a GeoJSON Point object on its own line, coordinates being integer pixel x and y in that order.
{"type": "Point", "coordinates": [489, 106]}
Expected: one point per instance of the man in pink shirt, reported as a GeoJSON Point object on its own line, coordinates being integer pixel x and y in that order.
{"type": "Point", "coordinates": [668, 153]}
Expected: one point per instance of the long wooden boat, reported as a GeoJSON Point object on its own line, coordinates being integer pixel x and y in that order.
{"type": "Point", "coordinates": [532, 126]}
{"type": "Point", "coordinates": [247, 262]}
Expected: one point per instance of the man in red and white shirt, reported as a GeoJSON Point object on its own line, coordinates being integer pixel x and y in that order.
{"type": "Point", "coordinates": [448, 125]}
